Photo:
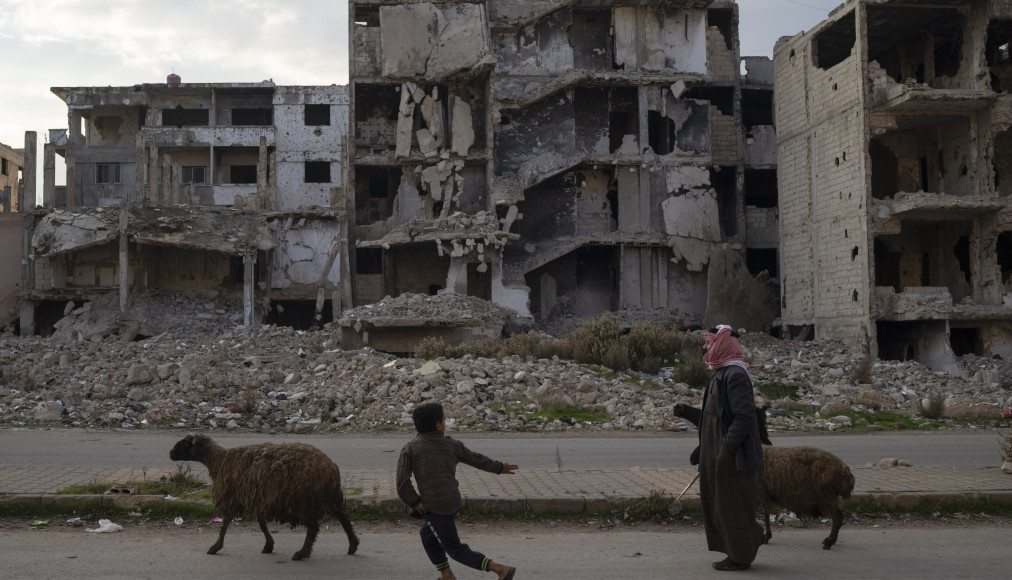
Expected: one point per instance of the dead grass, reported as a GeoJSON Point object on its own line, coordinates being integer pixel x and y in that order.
{"type": "Point", "coordinates": [602, 341]}
{"type": "Point", "coordinates": [934, 408]}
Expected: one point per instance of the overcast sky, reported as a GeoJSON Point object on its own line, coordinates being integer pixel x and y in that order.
{"type": "Point", "coordinates": [75, 43]}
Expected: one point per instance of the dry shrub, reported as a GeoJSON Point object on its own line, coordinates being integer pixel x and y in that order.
{"type": "Point", "coordinates": [693, 372]}
{"type": "Point", "coordinates": [247, 402]}
{"type": "Point", "coordinates": [430, 347]}
{"type": "Point", "coordinates": [485, 348]}
{"type": "Point", "coordinates": [934, 408]}
{"type": "Point", "coordinates": [535, 345]}
{"type": "Point", "coordinates": [648, 343]}
{"type": "Point", "coordinates": [862, 374]}
{"type": "Point", "coordinates": [616, 357]}
{"type": "Point", "coordinates": [592, 340]}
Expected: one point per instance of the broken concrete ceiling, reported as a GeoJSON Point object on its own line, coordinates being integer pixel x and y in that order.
{"type": "Point", "coordinates": [228, 232]}
{"type": "Point", "coordinates": [422, 40]}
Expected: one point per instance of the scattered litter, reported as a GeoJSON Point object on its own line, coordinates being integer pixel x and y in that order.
{"type": "Point", "coordinates": [1007, 413]}
{"type": "Point", "coordinates": [178, 521]}
{"type": "Point", "coordinates": [105, 526]}
{"type": "Point", "coordinates": [39, 523]}
{"type": "Point", "coordinates": [170, 498]}
{"type": "Point", "coordinates": [216, 520]}
{"type": "Point", "coordinates": [72, 520]}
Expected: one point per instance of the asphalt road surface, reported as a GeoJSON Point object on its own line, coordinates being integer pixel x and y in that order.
{"type": "Point", "coordinates": [150, 448]}
{"type": "Point", "coordinates": [538, 550]}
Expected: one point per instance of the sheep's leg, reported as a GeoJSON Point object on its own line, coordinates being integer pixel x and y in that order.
{"type": "Point", "coordinates": [342, 516]}
{"type": "Point", "coordinates": [837, 522]}
{"type": "Point", "coordinates": [269, 539]}
{"type": "Point", "coordinates": [312, 529]}
{"type": "Point", "coordinates": [221, 535]}
{"type": "Point", "coordinates": [766, 515]}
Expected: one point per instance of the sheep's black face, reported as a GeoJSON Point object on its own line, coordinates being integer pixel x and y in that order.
{"type": "Point", "coordinates": [187, 449]}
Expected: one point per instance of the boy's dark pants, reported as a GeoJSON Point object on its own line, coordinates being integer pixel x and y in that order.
{"type": "Point", "coordinates": [439, 538]}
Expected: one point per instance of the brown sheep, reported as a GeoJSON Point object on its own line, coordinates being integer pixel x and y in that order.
{"type": "Point", "coordinates": [290, 483]}
{"type": "Point", "coordinates": [807, 481]}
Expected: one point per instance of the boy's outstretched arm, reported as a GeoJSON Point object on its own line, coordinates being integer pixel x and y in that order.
{"type": "Point", "coordinates": [509, 469]}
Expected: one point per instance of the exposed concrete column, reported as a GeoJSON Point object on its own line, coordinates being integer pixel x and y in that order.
{"type": "Point", "coordinates": [69, 157]}
{"type": "Point", "coordinates": [643, 114]}
{"type": "Point", "coordinates": [456, 276]}
{"type": "Point", "coordinates": [27, 320]}
{"type": "Point", "coordinates": [262, 174]}
{"type": "Point", "coordinates": [49, 175]}
{"type": "Point", "coordinates": [177, 179]}
{"type": "Point", "coordinates": [124, 257]}
{"type": "Point", "coordinates": [27, 200]}
{"type": "Point", "coordinates": [140, 157]}
{"type": "Point", "coordinates": [272, 185]}
{"type": "Point", "coordinates": [248, 262]}
{"type": "Point", "coordinates": [166, 180]}
{"type": "Point", "coordinates": [154, 178]}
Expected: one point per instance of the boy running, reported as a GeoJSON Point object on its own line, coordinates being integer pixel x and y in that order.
{"type": "Point", "coordinates": [432, 458]}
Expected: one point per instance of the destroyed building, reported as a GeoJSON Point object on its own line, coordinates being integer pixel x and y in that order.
{"type": "Point", "coordinates": [895, 151]}
{"type": "Point", "coordinates": [11, 166]}
{"type": "Point", "coordinates": [560, 159]}
{"type": "Point", "coordinates": [227, 189]}
{"type": "Point", "coordinates": [563, 159]}
{"type": "Point", "coordinates": [12, 172]}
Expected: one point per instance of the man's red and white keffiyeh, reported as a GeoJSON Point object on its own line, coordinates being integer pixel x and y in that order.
{"type": "Point", "coordinates": [724, 349]}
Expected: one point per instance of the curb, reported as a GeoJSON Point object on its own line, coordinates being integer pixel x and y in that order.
{"type": "Point", "coordinates": [509, 506]}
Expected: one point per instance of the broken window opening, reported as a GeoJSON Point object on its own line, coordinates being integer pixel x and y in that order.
{"type": "Point", "coordinates": [725, 183]}
{"type": "Point", "coordinates": [756, 107]}
{"type": "Point", "coordinates": [317, 172]}
{"type": "Point", "coordinates": [317, 115]}
{"type": "Point", "coordinates": [962, 252]}
{"type": "Point", "coordinates": [416, 268]}
{"type": "Point", "coordinates": [661, 133]}
{"type": "Point", "coordinates": [759, 260]}
{"type": "Point", "coordinates": [761, 188]}
{"type": "Point", "coordinates": [3, 166]}
{"type": "Point", "coordinates": [720, 97]}
{"type": "Point", "coordinates": [1003, 163]}
{"type": "Point", "coordinates": [965, 341]}
{"type": "Point", "coordinates": [916, 43]}
{"type": "Point", "coordinates": [999, 34]}
{"type": "Point", "coordinates": [479, 284]}
{"type": "Point", "coordinates": [590, 37]}
{"type": "Point", "coordinates": [194, 174]}
{"type": "Point", "coordinates": [887, 266]}
{"type": "Point", "coordinates": [369, 261]}
{"type": "Point", "coordinates": [834, 43]}
{"type": "Point", "coordinates": [375, 190]}
{"type": "Point", "coordinates": [107, 173]}
{"type": "Point", "coordinates": [254, 117]}
{"type": "Point", "coordinates": [368, 16]}
{"type": "Point", "coordinates": [884, 174]}
{"type": "Point", "coordinates": [299, 314]}
{"type": "Point", "coordinates": [800, 333]}
{"type": "Point", "coordinates": [242, 174]}
{"type": "Point", "coordinates": [180, 117]}
{"type": "Point", "coordinates": [623, 116]}
{"type": "Point", "coordinates": [582, 284]}
{"type": "Point", "coordinates": [1003, 250]}
{"type": "Point", "coordinates": [722, 20]}
{"type": "Point", "coordinates": [376, 113]}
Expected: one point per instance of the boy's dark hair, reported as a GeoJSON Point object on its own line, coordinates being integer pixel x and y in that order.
{"type": "Point", "coordinates": [426, 416]}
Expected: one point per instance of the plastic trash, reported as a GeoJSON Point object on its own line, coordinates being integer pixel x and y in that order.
{"type": "Point", "coordinates": [105, 526]}
{"type": "Point", "coordinates": [178, 521]}
{"type": "Point", "coordinates": [38, 523]}
{"type": "Point", "coordinates": [170, 498]}
{"type": "Point", "coordinates": [216, 520]}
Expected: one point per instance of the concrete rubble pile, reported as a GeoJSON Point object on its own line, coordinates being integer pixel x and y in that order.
{"type": "Point", "coordinates": [440, 307]}
{"type": "Point", "coordinates": [220, 375]}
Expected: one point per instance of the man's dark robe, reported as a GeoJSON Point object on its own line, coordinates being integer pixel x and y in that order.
{"type": "Point", "coordinates": [730, 458]}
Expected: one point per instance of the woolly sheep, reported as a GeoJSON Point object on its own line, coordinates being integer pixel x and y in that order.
{"type": "Point", "coordinates": [290, 483]}
{"type": "Point", "coordinates": [805, 480]}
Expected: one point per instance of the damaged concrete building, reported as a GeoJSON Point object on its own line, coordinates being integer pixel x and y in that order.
{"type": "Point", "coordinates": [211, 189]}
{"type": "Point", "coordinates": [563, 159]}
{"type": "Point", "coordinates": [12, 174]}
{"type": "Point", "coordinates": [895, 150]}
{"type": "Point", "coordinates": [560, 159]}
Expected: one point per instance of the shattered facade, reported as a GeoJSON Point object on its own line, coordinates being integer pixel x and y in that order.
{"type": "Point", "coordinates": [560, 159]}
{"type": "Point", "coordinates": [215, 189]}
{"type": "Point", "coordinates": [895, 149]}
{"type": "Point", "coordinates": [564, 159]}
{"type": "Point", "coordinates": [11, 166]}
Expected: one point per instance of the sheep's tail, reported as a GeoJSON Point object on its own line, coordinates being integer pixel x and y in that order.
{"type": "Point", "coordinates": [846, 479]}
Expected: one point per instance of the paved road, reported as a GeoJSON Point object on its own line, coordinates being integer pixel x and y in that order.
{"type": "Point", "coordinates": [120, 449]}
{"type": "Point", "coordinates": [539, 551]}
